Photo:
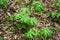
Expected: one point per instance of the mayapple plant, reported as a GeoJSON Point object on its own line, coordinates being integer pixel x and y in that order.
{"type": "Point", "coordinates": [33, 21]}
{"type": "Point", "coordinates": [46, 32]}
{"type": "Point", "coordinates": [25, 10]}
{"type": "Point", "coordinates": [23, 18]}
{"type": "Point", "coordinates": [38, 6]}
{"type": "Point", "coordinates": [43, 32]}
{"type": "Point", "coordinates": [33, 32]}
{"type": "Point", "coordinates": [57, 5]}
{"type": "Point", "coordinates": [54, 14]}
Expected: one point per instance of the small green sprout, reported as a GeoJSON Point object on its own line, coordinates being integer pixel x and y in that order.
{"type": "Point", "coordinates": [38, 6]}
{"type": "Point", "coordinates": [33, 32]}
{"type": "Point", "coordinates": [25, 10]}
{"type": "Point", "coordinates": [11, 28]}
{"type": "Point", "coordinates": [46, 32]}
{"type": "Point", "coordinates": [21, 26]}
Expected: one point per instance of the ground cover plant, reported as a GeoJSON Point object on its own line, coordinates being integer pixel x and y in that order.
{"type": "Point", "coordinates": [29, 19]}
{"type": "Point", "coordinates": [57, 4]}
{"type": "Point", "coordinates": [54, 14]}
{"type": "Point", "coordinates": [38, 6]}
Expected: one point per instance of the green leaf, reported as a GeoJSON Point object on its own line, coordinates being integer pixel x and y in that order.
{"type": "Point", "coordinates": [21, 26]}
{"type": "Point", "coordinates": [34, 21]}
{"type": "Point", "coordinates": [46, 32]}
{"type": "Point", "coordinates": [3, 2]}
{"type": "Point", "coordinates": [58, 15]}
{"type": "Point", "coordinates": [33, 32]}
{"type": "Point", "coordinates": [23, 18]}
{"type": "Point", "coordinates": [57, 5]}
{"type": "Point", "coordinates": [25, 10]}
{"type": "Point", "coordinates": [38, 6]}
{"type": "Point", "coordinates": [54, 14]}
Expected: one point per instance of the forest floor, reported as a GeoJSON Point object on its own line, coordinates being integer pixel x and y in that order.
{"type": "Point", "coordinates": [7, 34]}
